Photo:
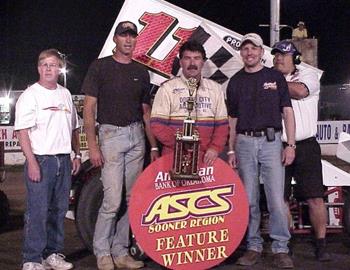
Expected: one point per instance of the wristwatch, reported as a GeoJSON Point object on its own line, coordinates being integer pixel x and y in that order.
{"type": "Point", "coordinates": [292, 145]}
{"type": "Point", "coordinates": [77, 156]}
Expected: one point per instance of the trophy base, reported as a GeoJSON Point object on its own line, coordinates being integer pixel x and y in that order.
{"type": "Point", "coordinates": [190, 177]}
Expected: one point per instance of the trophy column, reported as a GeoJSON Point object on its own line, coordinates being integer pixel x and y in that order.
{"type": "Point", "coordinates": [186, 153]}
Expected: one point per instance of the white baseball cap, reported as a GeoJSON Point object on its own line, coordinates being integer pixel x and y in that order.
{"type": "Point", "coordinates": [253, 38]}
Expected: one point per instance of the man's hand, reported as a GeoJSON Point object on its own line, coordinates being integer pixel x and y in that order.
{"type": "Point", "coordinates": [34, 171]}
{"type": "Point", "coordinates": [210, 156]}
{"type": "Point", "coordinates": [96, 157]}
{"type": "Point", "coordinates": [232, 160]}
{"type": "Point", "coordinates": [288, 155]}
{"type": "Point", "coordinates": [76, 165]}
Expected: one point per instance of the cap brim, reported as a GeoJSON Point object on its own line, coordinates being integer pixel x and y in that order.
{"type": "Point", "coordinates": [275, 50]}
{"type": "Point", "coordinates": [128, 31]}
{"type": "Point", "coordinates": [250, 41]}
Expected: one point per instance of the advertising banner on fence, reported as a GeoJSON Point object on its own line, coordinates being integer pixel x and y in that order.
{"type": "Point", "coordinates": [164, 27]}
{"type": "Point", "coordinates": [328, 132]}
{"type": "Point", "coordinates": [12, 150]}
{"type": "Point", "coordinates": [188, 224]}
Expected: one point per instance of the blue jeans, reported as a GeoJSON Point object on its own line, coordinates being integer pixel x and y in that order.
{"type": "Point", "coordinates": [47, 204]}
{"type": "Point", "coordinates": [259, 158]}
{"type": "Point", "coordinates": [123, 149]}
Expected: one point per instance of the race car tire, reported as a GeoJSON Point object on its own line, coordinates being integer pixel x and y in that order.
{"type": "Point", "coordinates": [346, 209]}
{"type": "Point", "coordinates": [4, 209]}
{"type": "Point", "coordinates": [90, 200]}
{"type": "Point", "coordinates": [136, 251]}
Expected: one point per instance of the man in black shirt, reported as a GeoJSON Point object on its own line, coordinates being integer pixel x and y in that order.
{"type": "Point", "coordinates": [257, 99]}
{"type": "Point", "coordinates": [119, 88]}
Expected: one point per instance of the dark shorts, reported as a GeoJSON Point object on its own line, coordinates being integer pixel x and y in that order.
{"type": "Point", "coordinates": [306, 170]}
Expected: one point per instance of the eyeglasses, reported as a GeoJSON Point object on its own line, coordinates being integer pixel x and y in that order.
{"type": "Point", "coordinates": [49, 66]}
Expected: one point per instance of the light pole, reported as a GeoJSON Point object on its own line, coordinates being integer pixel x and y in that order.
{"type": "Point", "coordinates": [274, 21]}
{"type": "Point", "coordinates": [275, 25]}
{"type": "Point", "coordinates": [64, 69]}
{"type": "Point", "coordinates": [276, 38]}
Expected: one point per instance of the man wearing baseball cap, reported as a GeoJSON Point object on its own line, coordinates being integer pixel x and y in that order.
{"type": "Point", "coordinates": [120, 87]}
{"type": "Point", "coordinates": [304, 89]}
{"type": "Point", "coordinates": [257, 98]}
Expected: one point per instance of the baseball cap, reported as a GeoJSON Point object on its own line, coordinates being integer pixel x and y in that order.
{"type": "Point", "coordinates": [284, 47]}
{"type": "Point", "coordinates": [253, 38]}
{"type": "Point", "coordinates": [301, 23]}
{"type": "Point", "coordinates": [124, 27]}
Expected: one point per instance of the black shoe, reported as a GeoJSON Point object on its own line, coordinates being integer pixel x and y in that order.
{"type": "Point", "coordinates": [321, 252]}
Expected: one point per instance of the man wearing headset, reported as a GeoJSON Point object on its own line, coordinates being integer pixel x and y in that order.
{"type": "Point", "coordinates": [304, 89]}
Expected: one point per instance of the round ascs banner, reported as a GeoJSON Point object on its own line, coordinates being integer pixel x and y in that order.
{"type": "Point", "coordinates": [188, 224]}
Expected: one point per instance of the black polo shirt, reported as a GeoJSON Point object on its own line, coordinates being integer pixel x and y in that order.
{"type": "Point", "coordinates": [257, 99]}
{"type": "Point", "coordinates": [120, 89]}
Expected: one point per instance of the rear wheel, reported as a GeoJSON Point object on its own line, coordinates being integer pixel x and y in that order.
{"type": "Point", "coordinates": [346, 209]}
{"type": "Point", "coordinates": [4, 209]}
{"type": "Point", "coordinates": [136, 251]}
{"type": "Point", "coordinates": [90, 200]}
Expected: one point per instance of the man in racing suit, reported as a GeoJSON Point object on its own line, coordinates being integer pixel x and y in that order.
{"type": "Point", "coordinates": [210, 114]}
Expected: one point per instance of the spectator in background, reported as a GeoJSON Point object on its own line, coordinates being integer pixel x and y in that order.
{"type": "Point", "coordinates": [300, 32]}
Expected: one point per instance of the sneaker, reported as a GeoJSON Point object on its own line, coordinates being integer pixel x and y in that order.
{"type": "Point", "coordinates": [56, 262]}
{"type": "Point", "coordinates": [283, 260]}
{"type": "Point", "coordinates": [32, 266]}
{"type": "Point", "coordinates": [250, 257]}
{"type": "Point", "coordinates": [105, 263]}
{"type": "Point", "coordinates": [127, 262]}
{"type": "Point", "coordinates": [321, 252]}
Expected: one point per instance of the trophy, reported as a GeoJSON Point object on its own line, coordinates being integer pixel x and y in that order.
{"type": "Point", "coordinates": [185, 163]}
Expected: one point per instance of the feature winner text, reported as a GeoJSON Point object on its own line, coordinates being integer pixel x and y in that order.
{"type": "Point", "coordinates": [197, 247]}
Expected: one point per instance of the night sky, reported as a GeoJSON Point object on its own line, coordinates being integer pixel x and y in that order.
{"type": "Point", "coordinates": [80, 28]}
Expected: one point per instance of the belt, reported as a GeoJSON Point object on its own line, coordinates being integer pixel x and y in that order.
{"type": "Point", "coordinates": [256, 133]}
{"type": "Point", "coordinates": [57, 155]}
{"type": "Point", "coordinates": [310, 139]}
{"type": "Point", "coordinates": [132, 124]}
{"type": "Point", "coordinates": [253, 133]}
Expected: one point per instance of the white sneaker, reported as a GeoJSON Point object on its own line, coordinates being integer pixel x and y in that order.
{"type": "Point", "coordinates": [56, 262]}
{"type": "Point", "coordinates": [32, 266]}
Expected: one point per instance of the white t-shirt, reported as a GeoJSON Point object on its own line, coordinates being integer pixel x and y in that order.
{"type": "Point", "coordinates": [306, 109]}
{"type": "Point", "coordinates": [50, 116]}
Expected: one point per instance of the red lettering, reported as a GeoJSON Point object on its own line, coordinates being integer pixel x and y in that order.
{"type": "Point", "coordinates": [14, 135]}
{"type": "Point", "coordinates": [3, 134]}
{"type": "Point", "coordinates": [156, 28]}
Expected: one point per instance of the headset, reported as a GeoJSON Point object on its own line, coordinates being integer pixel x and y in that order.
{"type": "Point", "coordinates": [296, 56]}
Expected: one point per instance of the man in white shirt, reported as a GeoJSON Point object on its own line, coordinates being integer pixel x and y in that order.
{"type": "Point", "coordinates": [304, 89]}
{"type": "Point", "coordinates": [47, 129]}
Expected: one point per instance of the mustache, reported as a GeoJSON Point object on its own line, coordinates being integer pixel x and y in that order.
{"type": "Point", "coordinates": [192, 67]}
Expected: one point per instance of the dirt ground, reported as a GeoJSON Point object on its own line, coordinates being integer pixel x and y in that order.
{"type": "Point", "coordinates": [11, 240]}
